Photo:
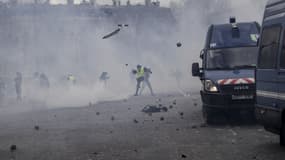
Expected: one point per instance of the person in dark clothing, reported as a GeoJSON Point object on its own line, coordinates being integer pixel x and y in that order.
{"type": "Point", "coordinates": [44, 81]}
{"type": "Point", "coordinates": [104, 78]}
{"type": "Point", "coordinates": [18, 85]}
{"type": "Point", "coordinates": [2, 89]}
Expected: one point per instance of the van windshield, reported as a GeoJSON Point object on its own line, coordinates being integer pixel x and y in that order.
{"type": "Point", "coordinates": [230, 36]}
{"type": "Point", "coordinates": [232, 58]}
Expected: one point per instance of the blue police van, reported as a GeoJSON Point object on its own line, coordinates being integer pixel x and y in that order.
{"type": "Point", "coordinates": [270, 73]}
{"type": "Point", "coordinates": [227, 73]}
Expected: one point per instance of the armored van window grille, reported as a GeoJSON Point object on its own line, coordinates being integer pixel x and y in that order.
{"type": "Point", "coordinates": [269, 47]}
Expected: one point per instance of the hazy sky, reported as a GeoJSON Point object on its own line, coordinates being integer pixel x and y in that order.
{"type": "Point", "coordinates": [163, 2]}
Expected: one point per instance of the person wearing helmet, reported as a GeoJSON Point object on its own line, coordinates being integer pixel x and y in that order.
{"type": "Point", "coordinates": [139, 72]}
{"type": "Point", "coordinates": [18, 85]}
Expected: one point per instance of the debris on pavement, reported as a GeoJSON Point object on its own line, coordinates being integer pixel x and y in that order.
{"type": "Point", "coordinates": [13, 148]}
{"type": "Point", "coordinates": [174, 102]}
{"type": "Point", "coordinates": [154, 109]}
{"type": "Point", "coordinates": [162, 118]}
{"type": "Point", "coordinates": [179, 44]}
{"type": "Point", "coordinates": [112, 118]}
{"type": "Point", "coordinates": [37, 128]}
{"type": "Point", "coordinates": [158, 100]}
{"type": "Point", "coordinates": [194, 127]}
{"type": "Point", "coordinates": [183, 156]}
{"type": "Point", "coordinates": [233, 132]}
{"type": "Point", "coordinates": [97, 113]}
{"type": "Point", "coordinates": [136, 121]}
{"type": "Point", "coordinates": [171, 106]}
{"type": "Point", "coordinates": [95, 153]}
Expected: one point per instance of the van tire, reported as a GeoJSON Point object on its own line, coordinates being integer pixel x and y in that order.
{"type": "Point", "coordinates": [282, 133]}
{"type": "Point", "coordinates": [208, 115]}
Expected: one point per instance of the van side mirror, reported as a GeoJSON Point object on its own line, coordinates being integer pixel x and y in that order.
{"type": "Point", "coordinates": [202, 53]}
{"type": "Point", "coordinates": [196, 70]}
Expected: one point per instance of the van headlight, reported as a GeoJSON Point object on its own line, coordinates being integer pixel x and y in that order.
{"type": "Point", "coordinates": [210, 86]}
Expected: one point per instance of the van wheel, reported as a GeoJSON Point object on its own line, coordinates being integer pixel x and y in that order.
{"type": "Point", "coordinates": [208, 115]}
{"type": "Point", "coordinates": [282, 134]}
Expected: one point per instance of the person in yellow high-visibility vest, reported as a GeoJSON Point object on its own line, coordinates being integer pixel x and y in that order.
{"type": "Point", "coordinates": [140, 77]}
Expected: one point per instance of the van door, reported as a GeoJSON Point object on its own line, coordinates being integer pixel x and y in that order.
{"type": "Point", "coordinates": [267, 73]}
{"type": "Point", "coordinates": [281, 79]}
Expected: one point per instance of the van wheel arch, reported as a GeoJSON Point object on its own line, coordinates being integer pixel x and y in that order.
{"type": "Point", "coordinates": [282, 130]}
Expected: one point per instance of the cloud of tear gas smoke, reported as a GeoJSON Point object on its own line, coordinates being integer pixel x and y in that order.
{"type": "Point", "coordinates": [70, 44]}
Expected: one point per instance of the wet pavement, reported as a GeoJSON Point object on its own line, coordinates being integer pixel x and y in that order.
{"type": "Point", "coordinates": [119, 130]}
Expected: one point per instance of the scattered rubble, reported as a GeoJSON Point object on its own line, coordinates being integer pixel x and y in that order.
{"type": "Point", "coordinates": [179, 44]}
{"type": "Point", "coordinates": [183, 156]}
{"type": "Point", "coordinates": [37, 128]}
{"type": "Point", "coordinates": [194, 127]}
{"type": "Point", "coordinates": [154, 109]}
{"type": "Point", "coordinates": [13, 148]}
{"type": "Point", "coordinates": [136, 121]}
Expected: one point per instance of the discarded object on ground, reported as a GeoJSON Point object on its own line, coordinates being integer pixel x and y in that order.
{"type": "Point", "coordinates": [95, 153]}
{"type": "Point", "coordinates": [154, 109]}
{"type": "Point", "coordinates": [112, 118]}
{"type": "Point", "coordinates": [174, 102]}
{"type": "Point", "coordinates": [136, 121]}
{"type": "Point", "coordinates": [98, 113]}
{"type": "Point", "coordinates": [194, 127]}
{"type": "Point", "coordinates": [37, 128]}
{"type": "Point", "coordinates": [171, 106]}
{"type": "Point", "coordinates": [183, 156]}
{"type": "Point", "coordinates": [13, 148]}
{"type": "Point", "coordinates": [112, 34]}
{"type": "Point", "coordinates": [162, 118]}
{"type": "Point", "coordinates": [179, 44]}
